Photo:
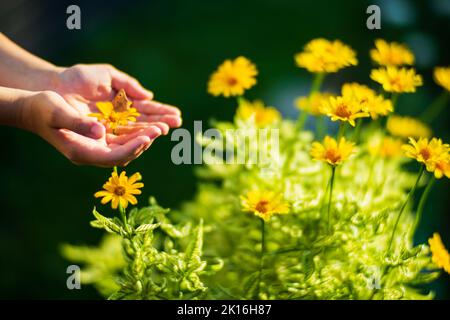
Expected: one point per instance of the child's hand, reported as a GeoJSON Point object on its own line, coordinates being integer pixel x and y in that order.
{"type": "Point", "coordinates": [80, 138]}
{"type": "Point", "coordinates": [61, 115]}
{"type": "Point", "coordinates": [83, 85]}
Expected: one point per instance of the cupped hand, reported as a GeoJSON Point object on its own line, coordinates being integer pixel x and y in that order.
{"type": "Point", "coordinates": [84, 85]}
{"type": "Point", "coordinates": [80, 138]}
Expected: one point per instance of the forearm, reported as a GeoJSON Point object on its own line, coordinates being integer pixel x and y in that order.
{"type": "Point", "coordinates": [12, 106]}
{"type": "Point", "coordinates": [23, 70]}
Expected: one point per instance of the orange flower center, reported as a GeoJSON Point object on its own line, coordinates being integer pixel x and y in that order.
{"type": "Point", "coordinates": [425, 153]}
{"type": "Point", "coordinates": [397, 83]}
{"type": "Point", "coordinates": [332, 155]}
{"type": "Point", "coordinates": [262, 206]}
{"type": "Point", "coordinates": [112, 117]}
{"type": "Point", "coordinates": [342, 111]}
{"type": "Point", "coordinates": [442, 166]}
{"type": "Point", "coordinates": [232, 81]}
{"type": "Point", "coordinates": [119, 191]}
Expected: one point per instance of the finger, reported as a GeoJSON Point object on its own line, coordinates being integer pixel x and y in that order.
{"type": "Point", "coordinates": [171, 120]}
{"type": "Point", "coordinates": [164, 127]}
{"type": "Point", "coordinates": [132, 127]}
{"type": "Point", "coordinates": [141, 151]}
{"type": "Point", "coordinates": [131, 86]}
{"type": "Point", "coordinates": [151, 132]}
{"type": "Point", "coordinates": [151, 107]}
{"type": "Point", "coordinates": [82, 150]}
{"type": "Point", "coordinates": [65, 117]}
{"type": "Point", "coordinates": [123, 154]}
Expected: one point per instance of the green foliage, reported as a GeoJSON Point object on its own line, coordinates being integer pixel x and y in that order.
{"type": "Point", "coordinates": [303, 260]}
{"type": "Point", "coordinates": [163, 257]}
{"type": "Point", "coordinates": [146, 257]}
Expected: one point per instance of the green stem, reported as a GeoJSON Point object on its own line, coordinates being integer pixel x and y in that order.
{"type": "Point", "coordinates": [316, 84]}
{"type": "Point", "coordinates": [423, 200]}
{"type": "Point", "coordinates": [263, 252]}
{"type": "Point", "coordinates": [123, 216]}
{"type": "Point", "coordinates": [115, 169]}
{"type": "Point", "coordinates": [357, 130]}
{"type": "Point", "coordinates": [240, 100]}
{"type": "Point", "coordinates": [372, 163]}
{"type": "Point", "coordinates": [341, 131]}
{"type": "Point", "coordinates": [322, 202]}
{"type": "Point", "coordinates": [411, 192]}
{"type": "Point", "coordinates": [301, 120]}
{"type": "Point", "coordinates": [435, 108]}
{"type": "Point", "coordinates": [330, 197]}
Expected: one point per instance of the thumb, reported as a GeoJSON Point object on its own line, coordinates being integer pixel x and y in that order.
{"type": "Point", "coordinates": [81, 124]}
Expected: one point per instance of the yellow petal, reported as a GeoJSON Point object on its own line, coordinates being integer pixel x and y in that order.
{"type": "Point", "coordinates": [102, 193]}
{"type": "Point", "coordinates": [105, 107]}
{"type": "Point", "coordinates": [123, 202]}
{"type": "Point", "coordinates": [115, 202]}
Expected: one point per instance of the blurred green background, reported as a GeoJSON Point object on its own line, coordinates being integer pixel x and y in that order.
{"type": "Point", "coordinates": [172, 47]}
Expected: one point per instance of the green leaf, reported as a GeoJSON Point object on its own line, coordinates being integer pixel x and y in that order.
{"type": "Point", "coordinates": [147, 227]}
{"type": "Point", "coordinates": [96, 224]}
{"type": "Point", "coordinates": [106, 223]}
{"type": "Point", "coordinates": [173, 231]}
{"type": "Point", "coordinates": [194, 249]}
{"type": "Point", "coordinates": [146, 215]}
{"type": "Point", "coordinates": [308, 265]}
{"type": "Point", "coordinates": [250, 284]}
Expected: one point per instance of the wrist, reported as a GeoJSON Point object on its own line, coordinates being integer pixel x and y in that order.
{"type": "Point", "coordinates": [24, 106]}
{"type": "Point", "coordinates": [46, 79]}
{"type": "Point", "coordinates": [13, 107]}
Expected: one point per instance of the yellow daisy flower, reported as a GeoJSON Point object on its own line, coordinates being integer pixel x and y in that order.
{"type": "Point", "coordinates": [378, 106]}
{"type": "Point", "coordinates": [397, 79]}
{"type": "Point", "coordinates": [440, 255]}
{"type": "Point", "coordinates": [331, 151]}
{"type": "Point", "coordinates": [263, 116]}
{"type": "Point", "coordinates": [406, 127]}
{"type": "Point", "coordinates": [344, 109]}
{"type": "Point", "coordinates": [322, 55]}
{"type": "Point", "coordinates": [370, 102]}
{"type": "Point", "coordinates": [391, 54]}
{"type": "Point", "coordinates": [112, 118]}
{"type": "Point", "coordinates": [387, 147]}
{"type": "Point", "coordinates": [427, 152]}
{"type": "Point", "coordinates": [120, 190]}
{"type": "Point", "coordinates": [233, 77]}
{"type": "Point", "coordinates": [442, 77]}
{"type": "Point", "coordinates": [264, 204]}
{"type": "Point", "coordinates": [357, 91]}
{"type": "Point", "coordinates": [313, 103]}
{"type": "Point", "coordinates": [442, 167]}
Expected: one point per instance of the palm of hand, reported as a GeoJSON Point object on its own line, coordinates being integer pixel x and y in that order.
{"type": "Point", "coordinates": [82, 86]}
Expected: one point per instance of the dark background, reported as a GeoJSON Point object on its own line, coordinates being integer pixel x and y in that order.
{"type": "Point", "coordinates": [172, 47]}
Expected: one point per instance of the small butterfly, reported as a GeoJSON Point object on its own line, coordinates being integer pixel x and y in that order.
{"type": "Point", "coordinates": [121, 102]}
